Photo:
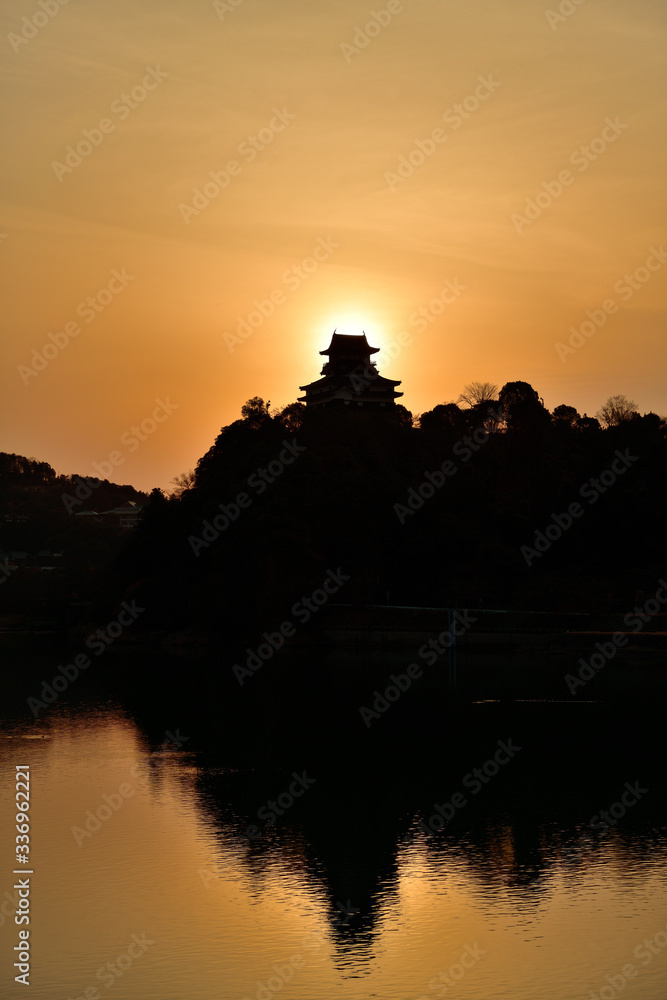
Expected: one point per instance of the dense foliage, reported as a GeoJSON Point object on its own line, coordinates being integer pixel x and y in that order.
{"type": "Point", "coordinates": [441, 511]}
{"type": "Point", "coordinates": [49, 556]}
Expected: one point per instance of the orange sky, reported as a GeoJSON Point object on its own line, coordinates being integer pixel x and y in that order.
{"type": "Point", "coordinates": [315, 213]}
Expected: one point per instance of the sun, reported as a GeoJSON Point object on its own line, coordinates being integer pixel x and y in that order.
{"type": "Point", "coordinates": [348, 324]}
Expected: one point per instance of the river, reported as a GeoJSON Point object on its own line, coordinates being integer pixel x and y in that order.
{"type": "Point", "coordinates": [187, 844]}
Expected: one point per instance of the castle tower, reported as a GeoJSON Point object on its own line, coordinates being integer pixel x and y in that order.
{"type": "Point", "coordinates": [350, 377]}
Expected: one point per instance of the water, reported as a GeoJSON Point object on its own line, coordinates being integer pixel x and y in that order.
{"type": "Point", "coordinates": [182, 888]}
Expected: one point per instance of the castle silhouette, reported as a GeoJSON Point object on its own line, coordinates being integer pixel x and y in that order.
{"type": "Point", "coordinates": [350, 377]}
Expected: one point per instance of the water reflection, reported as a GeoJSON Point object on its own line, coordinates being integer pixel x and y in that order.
{"type": "Point", "coordinates": [350, 887]}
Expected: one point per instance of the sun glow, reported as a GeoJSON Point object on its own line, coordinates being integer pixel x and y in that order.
{"type": "Point", "coordinates": [348, 324]}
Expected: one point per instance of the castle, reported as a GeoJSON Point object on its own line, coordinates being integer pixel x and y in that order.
{"type": "Point", "coordinates": [350, 377]}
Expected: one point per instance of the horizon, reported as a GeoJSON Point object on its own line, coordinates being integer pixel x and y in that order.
{"type": "Point", "coordinates": [129, 436]}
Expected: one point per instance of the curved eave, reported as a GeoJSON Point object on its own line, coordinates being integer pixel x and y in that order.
{"type": "Point", "coordinates": [355, 345]}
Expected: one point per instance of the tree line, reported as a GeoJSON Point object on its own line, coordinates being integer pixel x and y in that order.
{"type": "Point", "coordinates": [359, 497]}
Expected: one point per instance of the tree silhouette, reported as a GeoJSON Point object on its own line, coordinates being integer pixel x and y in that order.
{"type": "Point", "coordinates": [522, 407]}
{"type": "Point", "coordinates": [181, 483]}
{"type": "Point", "coordinates": [478, 392]}
{"type": "Point", "coordinates": [255, 411]}
{"type": "Point", "coordinates": [616, 410]}
{"type": "Point", "coordinates": [292, 416]}
{"type": "Point", "coordinates": [443, 417]}
{"type": "Point", "coordinates": [566, 415]}
{"type": "Point", "coordinates": [587, 423]}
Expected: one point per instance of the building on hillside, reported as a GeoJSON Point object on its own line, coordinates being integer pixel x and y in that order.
{"type": "Point", "coordinates": [350, 377]}
{"type": "Point", "coordinates": [126, 516]}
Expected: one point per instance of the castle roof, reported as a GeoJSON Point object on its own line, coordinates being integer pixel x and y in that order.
{"type": "Point", "coordinates": [350, 346]}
